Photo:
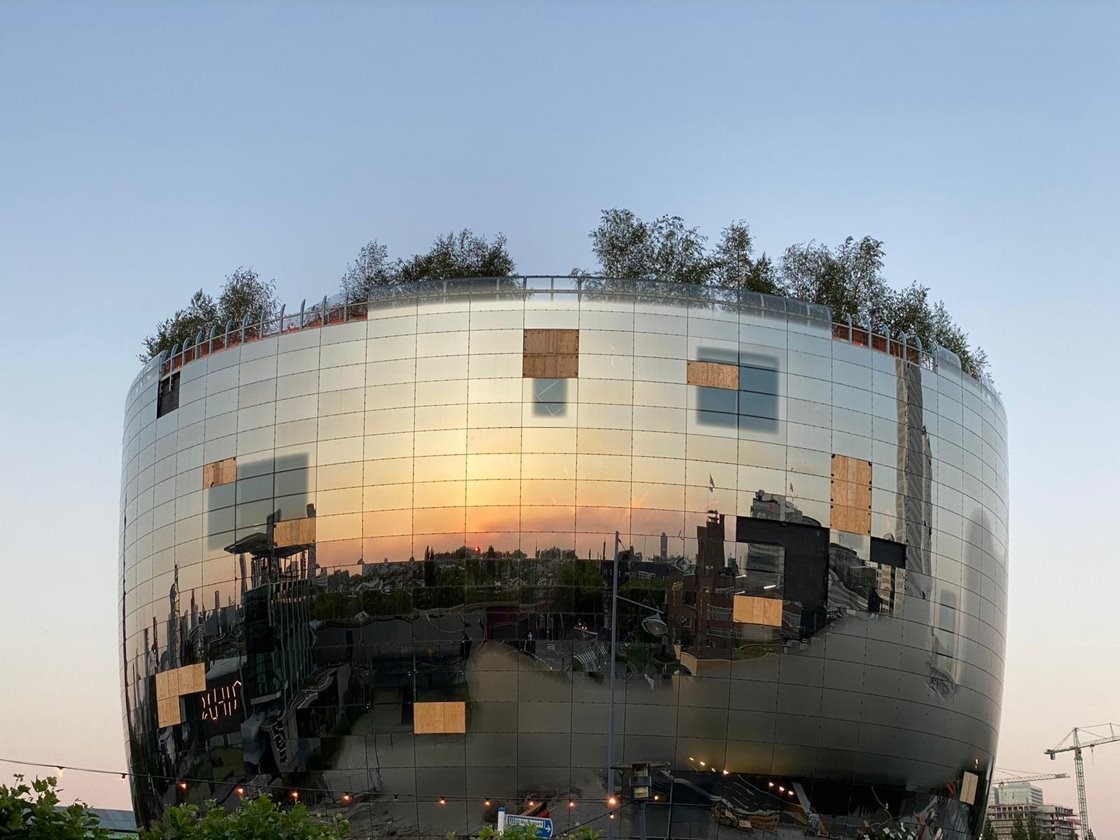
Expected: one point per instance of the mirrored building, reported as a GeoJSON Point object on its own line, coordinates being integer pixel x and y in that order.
{"type": "Point", "coordinates": [367, 555]}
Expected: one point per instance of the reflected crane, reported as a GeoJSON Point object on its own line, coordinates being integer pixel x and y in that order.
{"type": "Point", "coordinates": [1076, 741]}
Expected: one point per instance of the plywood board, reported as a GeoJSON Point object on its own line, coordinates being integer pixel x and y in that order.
{"type": "Point", "coordinates": [288, 532]}
{"type": "Point", "coordinates": [713, 375]}
{"type": "Point", "coordinates": [551, 341]}
{"type": "Point", "coordinates": [850, 519]}
{"type": "Point", "coordinates": [550, 366]}
{"type": "Point", "coordinates": [567, 366]}
{"type": "Point", "coordinates": [219, 472]}
{"type": "Point", "coordinates": [851, 494]}
{"type": "Point", "coordinates": [968, 788]}
{"type": "Point", "coordinates": [750, 609]}
{"type": "Point", "coordinates": [439, 718]}
{"type": "Point", "coordinates": [163, 685]}
{"type": "Point", "coordinates": [192, 679]}
{"type": "Point", "coordinates": [167, 710]}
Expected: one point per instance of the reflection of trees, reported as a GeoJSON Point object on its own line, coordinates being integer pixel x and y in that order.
{"type": "Point", "coordinates": [579, 587]}
{"type": "Point", "coordinates": [343, 605]}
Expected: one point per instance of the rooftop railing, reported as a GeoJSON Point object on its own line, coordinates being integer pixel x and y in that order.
{"type": "Point", "coordinates": [339, 310]}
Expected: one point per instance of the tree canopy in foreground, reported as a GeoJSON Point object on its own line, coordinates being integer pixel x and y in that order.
{"type": "Point", "coordinates": [847, 278]}
{"type": "Point", "coordinates": [254, 820]}
{"type": "Point", "coordinates": [32, 811]}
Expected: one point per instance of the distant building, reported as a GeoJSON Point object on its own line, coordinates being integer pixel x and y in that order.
{"type": "Point", "coordinates": [1021, 800]}
{"type": "Point", "coordinates": [1018, 793]}
{"type": "Point", "coordinates": [118, 823]}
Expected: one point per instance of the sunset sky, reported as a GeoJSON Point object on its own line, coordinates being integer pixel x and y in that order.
{"type": "Point", "coordinates": [148, 150]}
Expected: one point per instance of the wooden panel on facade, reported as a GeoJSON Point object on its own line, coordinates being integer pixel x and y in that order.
{"type": "Point", "coordinates": [555, 366]}
{"type": "Point", "coordinates": [289, 532]}
{"type": "Point", "coordinates": [164, 688]}
{"type": "Point", "coordinates": [173, 684]}
{"type": "Point", "coordinates": [851, 494]}
{"type": "Point", "coordinates": [192, 679]}
{"type": "Point", "coordinates": [167, 711]}
{"type": "Point", "coordinates": [551, 342]}
{"type": "Point", "coordinates": [969, 783]}
{"type": "Point", "coordinates": [550, 354]}
{"type": "Point", "coordinates": [219, 472]}
{"type": "Point", "coordinates": [439, 718]}
{"type": "Point", "coordinates": [850, 519]}
{"type": "Point", "coordinates": [713, 375]}
{"type": "Point", "coordinates": [750, 609]}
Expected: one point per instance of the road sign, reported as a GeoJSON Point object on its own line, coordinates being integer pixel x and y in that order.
{"type": "Point", "coordinates": [541, 825]}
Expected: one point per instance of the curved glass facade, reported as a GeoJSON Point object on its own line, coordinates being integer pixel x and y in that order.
{"type": "Point", "coordinates": [370, 564]}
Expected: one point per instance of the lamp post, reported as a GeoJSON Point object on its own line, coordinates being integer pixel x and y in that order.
{"type": "Point", "coordinates": [655, 626]}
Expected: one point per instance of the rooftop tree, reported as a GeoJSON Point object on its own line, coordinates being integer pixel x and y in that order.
{"type": "Point", "coordinates": [664, 249]}
{"type": "Point", "coordinates": [243, 293]}
{"type": "Point", "coordinates": [736, 266]}
{"type": "Point", "coordinates": [848, 278]}
{"type": "Point", "coordinates": [461, 254]}
{"type": "Point", "coordinates": [184, 325]}
{"type": "Point", "coordinates": [370, 270]}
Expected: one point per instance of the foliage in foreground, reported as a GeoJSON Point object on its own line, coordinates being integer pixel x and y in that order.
{"type": "Point", "coordinates": [31, 811]}
{"type": "Point", "coordinates": [254, 820]}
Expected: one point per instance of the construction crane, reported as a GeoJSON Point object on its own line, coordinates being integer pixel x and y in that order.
{"type": "Point", "coordinates": [1012, 777]}
{"type": "Point", "coordinates": [1034, 777]}
{"type": "Point", "coordinates": [1076, 741]}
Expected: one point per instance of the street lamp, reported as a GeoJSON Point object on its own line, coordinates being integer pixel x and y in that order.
{"type": "Point", "coordinates": [654, 625]}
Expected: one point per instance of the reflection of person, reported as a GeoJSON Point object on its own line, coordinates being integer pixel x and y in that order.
{"type": "Point", "coordinates": [874, 601]}
{"type": "Point", "coordinates": [530, 645]}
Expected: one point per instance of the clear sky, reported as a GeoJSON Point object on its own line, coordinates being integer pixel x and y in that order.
{"type": "Point", "coordinates": [147, 150]}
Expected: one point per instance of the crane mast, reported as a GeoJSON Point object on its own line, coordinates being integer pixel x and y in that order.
{"type": "Point", "coordinates": [1105, 733]}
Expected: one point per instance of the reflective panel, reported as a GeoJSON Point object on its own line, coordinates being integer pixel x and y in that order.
{"type": "Point", "coordinates": [372, 556]}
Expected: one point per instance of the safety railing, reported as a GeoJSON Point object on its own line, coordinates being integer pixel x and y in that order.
{"type": "Point", "coordinates": [339, 310]}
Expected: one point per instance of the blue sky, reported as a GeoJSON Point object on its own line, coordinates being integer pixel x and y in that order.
{"type": "Point", "coordinates": [148, 150]}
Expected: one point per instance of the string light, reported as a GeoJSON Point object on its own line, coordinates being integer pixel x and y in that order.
{"type": "Point", "coordinates": [183, 784]}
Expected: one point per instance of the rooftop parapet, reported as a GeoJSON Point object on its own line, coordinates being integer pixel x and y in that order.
{"type": "Point", "coordinates": [337, 310]}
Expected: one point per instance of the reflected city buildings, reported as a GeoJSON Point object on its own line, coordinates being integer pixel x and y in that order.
{"type": "Point", "coordinates": [370, 562]}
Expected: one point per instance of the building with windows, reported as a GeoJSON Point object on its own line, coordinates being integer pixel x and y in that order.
{"type": "Point", "coordinates": [367, 554]}
{"type": "Point", "coordinates": [1020, 801]}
